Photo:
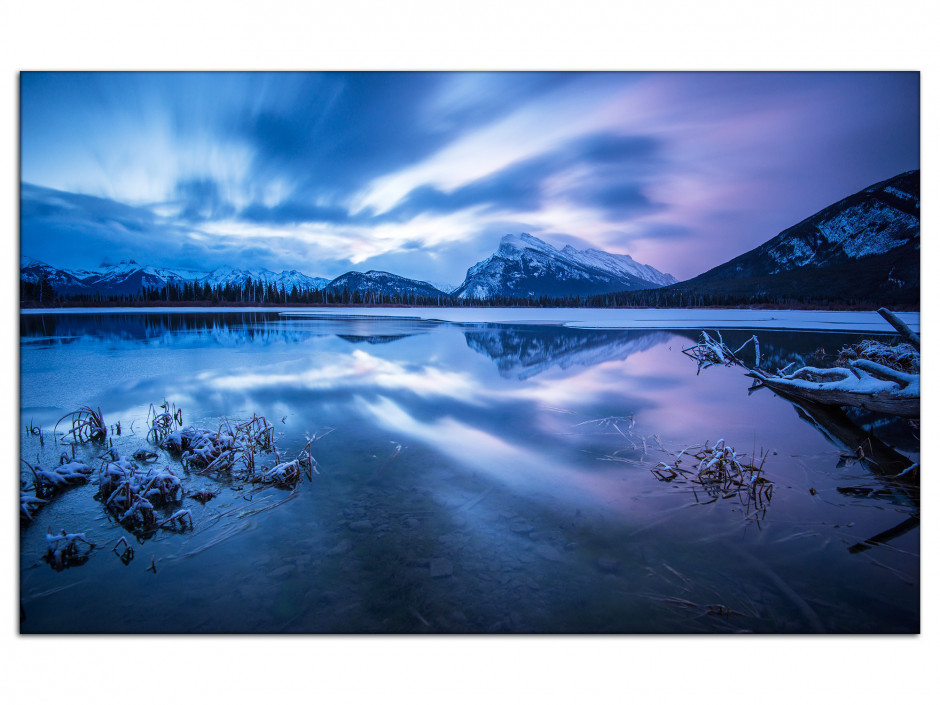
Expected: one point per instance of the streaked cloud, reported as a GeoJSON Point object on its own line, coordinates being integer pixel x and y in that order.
{"type": "Point", "coordinates": [421, 173]}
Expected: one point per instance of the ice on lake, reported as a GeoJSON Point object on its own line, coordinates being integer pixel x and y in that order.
{"type": "Point", "coordinates": [484, 471]}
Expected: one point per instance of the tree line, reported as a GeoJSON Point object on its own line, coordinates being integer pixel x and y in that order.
{"type": "Point", "coordinates": [41, 294]}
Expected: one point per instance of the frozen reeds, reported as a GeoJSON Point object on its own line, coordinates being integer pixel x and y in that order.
{"type": "Point", "coordinates": [86, 425]}
{"type": "Point", "coordinates": [257, 432]}
{"type": "Point", "coordinates": [135, 490]}
{"type": "Point", "coordinates": [64, 551]}
{"type": "Point", "coordinates": [178, 521]}
{"type": "Point", "coordinates": [143, 455]}
{"type": "Point", "coordinates": [28, 505]}
{"type": "Point", "coordinates": [721, 472]}
{"type": "Point", "coordinates": [902, 357]}
{"type": "Point", "coordinates": [68, 474]}
{"type": "Point", "coordinates": [127, 555]}
{"type": "Point", "coordinates": [284, 474]}
{"type": "Point", "coordinates": [132, 495]}
{"type": "Point", "coordinates": [203, 496]}
{"type": "Point", "coordinates": [289, 473]}
{"type": "Point", "coordinates": [164, 422]}
{"type": "Point", "coordinates": [204, 450]}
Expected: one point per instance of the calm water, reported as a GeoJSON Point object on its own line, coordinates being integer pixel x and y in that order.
{"type": "Point", "coordinates": [472, 478]}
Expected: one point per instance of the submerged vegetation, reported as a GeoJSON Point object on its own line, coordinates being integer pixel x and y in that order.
{"type": "Point", "coordinates": [722, 473]}
{"type": "Point", "coordinates": [133, 493]}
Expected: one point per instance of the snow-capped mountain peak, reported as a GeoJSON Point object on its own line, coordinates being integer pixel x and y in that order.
{"type": "Point", "coordinates": [523, 265]}
{"type": "Point", "coordinates": [512, 244]}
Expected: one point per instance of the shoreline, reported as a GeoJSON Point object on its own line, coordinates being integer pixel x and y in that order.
{"type": "Point", "coordinates": [606, 318]}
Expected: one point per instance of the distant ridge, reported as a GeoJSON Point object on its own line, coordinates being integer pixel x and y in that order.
{"type": "Point", "coordinates": [383, 283]}
{"type": "Point", "coordinates": [129, 278]}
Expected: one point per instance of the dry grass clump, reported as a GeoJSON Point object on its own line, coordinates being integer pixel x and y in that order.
{"type": "Point", "coordinates": [164, 422]}
{"type": "Point", "coordinates": [902, 357]}
{"type": "Point", "coordinates": [721, 472]}
{"type": "Point", "coordinates": [67, 474]}
{"type": "Point", "coordinates": [131, 495]}
{"type": "Point", "coordinates": [203, 450]}
{"type": "Point", "coordinates": [64, 552]}
{"type": "Point", "coordinates": [87, 424]}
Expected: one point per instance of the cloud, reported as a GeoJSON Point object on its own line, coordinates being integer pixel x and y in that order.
{"type": "Point", "coordinates": [293, 212]}
{"type": "Point", "coordinates": [330, 170]}
{"type": "Point", "coordinates": [601, 148]}
{"type": "Point", "coordinates": [37, 202]}
{"type": "Point", "coordinates": [201, 199]}
{"type": "Point", "coordinates": [333, 132]}
{"type": "Point", "coordinates": [618, 200]}
{"type": "Point", "coordinates": [586, 172]}
{"type": "Point", "coordinates": [512, 189]}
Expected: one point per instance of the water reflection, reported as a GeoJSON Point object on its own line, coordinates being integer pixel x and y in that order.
{"type": "Point", "coordinates": [226, 329]}
{"type": "Point", "coordinates": [479, 478]}
{"type": "Point", "coordinates": [900, 473]}
{"type": "Point", "coordinates": [525, 351]}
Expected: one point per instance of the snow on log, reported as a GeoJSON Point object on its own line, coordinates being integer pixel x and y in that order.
{"type": "Point", "coordinates": [860, 382]}
{"type": "Point", "coordinates": [863, 384]}
{"type": "Point", "coordinates": [900, 326]}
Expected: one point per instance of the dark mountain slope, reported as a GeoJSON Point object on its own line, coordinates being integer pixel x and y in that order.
{"type": "Point", "coordinates": [865, 247]}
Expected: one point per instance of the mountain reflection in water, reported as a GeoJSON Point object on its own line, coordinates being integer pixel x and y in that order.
{"type": "Point", "coordinates": [486, 478]}
{"type": "Point", "coordinates": [524, 351]}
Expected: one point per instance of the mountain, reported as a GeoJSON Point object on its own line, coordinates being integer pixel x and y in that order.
{"type": "Point", "coordinates": [62, 281]}
{"type": "Point", "coordinates": [523, 265]}
{"type": "Point", "coordinates": [864, 247]}
{"type": "Point", "coordinates": [285, 280]}
{"type": "Point", "coordinates": [129, 277]}
{"type": "Point", "coordinates": [374, 283]}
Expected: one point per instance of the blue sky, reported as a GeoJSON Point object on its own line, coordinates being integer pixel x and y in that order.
{"type": "Point", "coordinates": [422, 173]}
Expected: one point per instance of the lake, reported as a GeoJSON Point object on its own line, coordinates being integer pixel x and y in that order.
{"type": "Point", "coordinates": [470, 477]}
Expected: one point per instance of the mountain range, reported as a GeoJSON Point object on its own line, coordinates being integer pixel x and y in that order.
{"type": "Point", "coordinates": [522, 266]}
{"type": "Point", "coordinates": [866, 246]}
{"type": "Point", "coordinates": [129, 277]}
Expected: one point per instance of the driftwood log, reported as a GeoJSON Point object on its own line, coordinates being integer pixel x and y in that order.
{"type": "Point", "coordinates": [901, 327]}
{"type": "Point", "coordinates": [860, 383]}
{"type": "Point", "coordinates": [864, 384]}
